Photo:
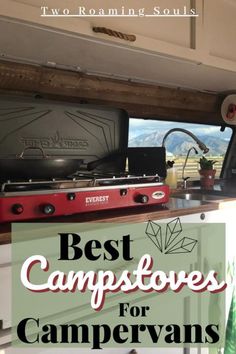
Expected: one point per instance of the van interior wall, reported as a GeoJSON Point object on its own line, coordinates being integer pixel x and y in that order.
{"type": "Point", "coordinates": [138, 99]}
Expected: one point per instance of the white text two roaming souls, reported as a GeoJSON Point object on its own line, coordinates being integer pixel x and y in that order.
{"type": "Point", "coordinates": [83, 11]}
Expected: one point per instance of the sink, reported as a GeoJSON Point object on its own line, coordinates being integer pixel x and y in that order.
{"type": "Point", "coordinates": [198, 196]}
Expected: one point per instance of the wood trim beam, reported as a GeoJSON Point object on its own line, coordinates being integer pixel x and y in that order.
{"type": "Point", "coordinates": [145, 99]}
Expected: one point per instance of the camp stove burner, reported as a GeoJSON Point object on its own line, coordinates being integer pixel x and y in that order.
{"type": "Point", "coordinates": [84, 193]}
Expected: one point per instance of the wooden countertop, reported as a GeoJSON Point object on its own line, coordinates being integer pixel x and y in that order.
{"type": "Point", "coordinates": [175, 207]}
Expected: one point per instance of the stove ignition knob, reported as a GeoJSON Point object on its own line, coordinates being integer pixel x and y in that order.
{"type": "Point", "coordinates": [142, 198]}
{"type": "Point", "coordinates": [48, 209]}
{"type": "Point", "coordinates": [17, 209]}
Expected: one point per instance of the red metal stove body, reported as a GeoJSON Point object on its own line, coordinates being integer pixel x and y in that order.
{"type": "Point", "coordinates": [16, 206]}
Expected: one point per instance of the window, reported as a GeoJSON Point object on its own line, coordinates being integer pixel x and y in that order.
{"type": "Point", "coordinates": [148, 133]}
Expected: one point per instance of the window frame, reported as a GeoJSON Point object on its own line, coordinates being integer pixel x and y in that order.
{"type": "Point", "coordinates": [231, 141]}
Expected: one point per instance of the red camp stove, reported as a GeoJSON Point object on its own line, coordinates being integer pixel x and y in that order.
{"type": "Point", "coordinates": [85, 193]}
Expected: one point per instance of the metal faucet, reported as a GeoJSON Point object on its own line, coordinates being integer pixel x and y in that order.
{"type": "Point", "coordinates": [185, 163]}
{"type": "Point", "coordinates": [201, 145]}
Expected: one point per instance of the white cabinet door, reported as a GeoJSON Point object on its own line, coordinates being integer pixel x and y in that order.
{"type": "Point", "coordinates": [220, 28]}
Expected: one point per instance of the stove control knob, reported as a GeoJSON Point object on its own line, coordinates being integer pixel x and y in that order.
{"type": "Point", "coordinates": [123, 192]}
{"type": "Point", "coordinates": [142, 198]}
{"type": "Point", "coordinates": [71, 196]}
{"type": "Point", "coordinates": [17, 209]}
{"type": "Point", "coordinates": [48, 209]}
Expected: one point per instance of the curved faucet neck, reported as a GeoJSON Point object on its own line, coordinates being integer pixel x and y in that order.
{"type": "Point", "coordinates": [201, 145]}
